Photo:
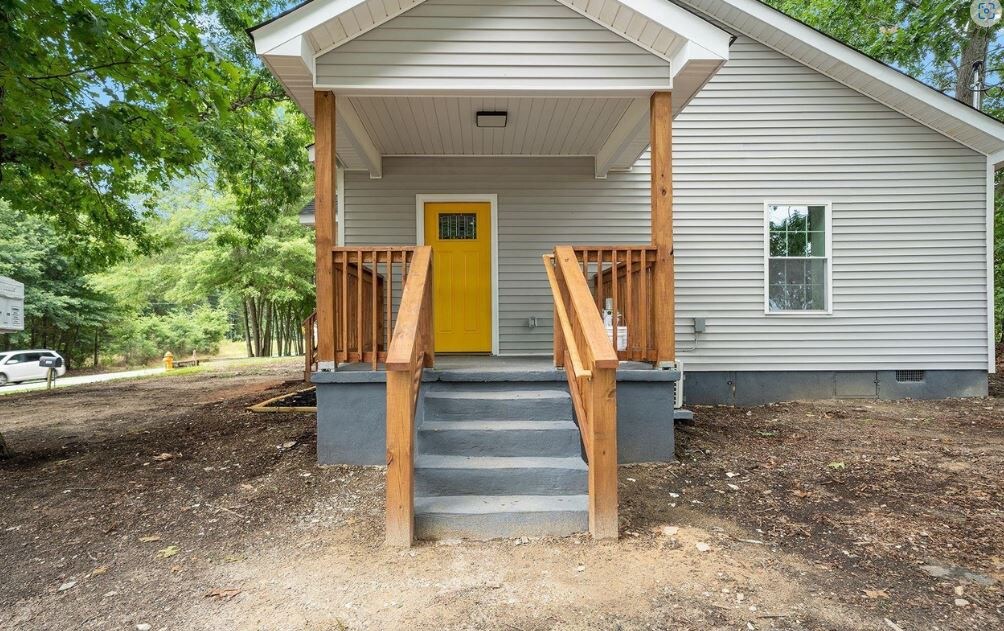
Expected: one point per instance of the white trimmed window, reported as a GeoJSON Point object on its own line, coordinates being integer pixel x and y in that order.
{"type": "Point", "coordinates": [797, 258]}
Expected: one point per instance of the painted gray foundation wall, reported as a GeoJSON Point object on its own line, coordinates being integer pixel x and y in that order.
{"type": "Point", "coordinates": [759, 387]}
{"type": "Point", "coordinates": [351, 412]}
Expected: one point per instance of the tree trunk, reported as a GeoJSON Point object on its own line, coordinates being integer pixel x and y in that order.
{"type": "Point", "coordinates": [973, 49]}
{"type": "Point", "coordinates": [247, 328]}
{"type": "Point", "coordinates": [95, 349]}
{"type": "Point", "coordinates": [255, 326]}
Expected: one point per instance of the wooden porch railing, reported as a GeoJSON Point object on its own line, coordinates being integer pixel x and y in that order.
{"type": "Point", "coordinates": [365, 279]}
{"type": "Point", "coordinates": [623, 276]}
{"type": "Point", "coordinates": [590, 362]}
{"type": "Point", "coordinates": [309, 345]}
{"type": "Point", "coordinates": [411, 350]}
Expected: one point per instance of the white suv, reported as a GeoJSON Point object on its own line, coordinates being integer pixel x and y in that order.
{"type": "Point", "coordinates": [18, 366]}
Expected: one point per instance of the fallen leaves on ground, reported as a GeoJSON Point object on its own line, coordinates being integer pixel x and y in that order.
{"type": "Point", "coordinates": [165, 553]}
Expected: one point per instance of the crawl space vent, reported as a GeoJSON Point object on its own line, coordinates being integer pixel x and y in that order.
{"type": "Point", "coordinates": [907, 376]}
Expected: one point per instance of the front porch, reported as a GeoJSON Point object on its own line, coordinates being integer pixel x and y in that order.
{"type": "Point", "coordinates": [494, 261]}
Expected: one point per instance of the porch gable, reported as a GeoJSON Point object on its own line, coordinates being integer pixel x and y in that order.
{"type": "Point", "coordinates": [491, 46]}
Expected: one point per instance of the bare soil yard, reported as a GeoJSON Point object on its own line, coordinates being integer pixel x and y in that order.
{"type": "Point", "coordinates": [163, 502]}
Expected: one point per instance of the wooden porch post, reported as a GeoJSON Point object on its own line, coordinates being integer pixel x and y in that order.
{"type": "Point", "coordinates": [661, 112]}
{"type": "Point", "coordinates": [325, 189]}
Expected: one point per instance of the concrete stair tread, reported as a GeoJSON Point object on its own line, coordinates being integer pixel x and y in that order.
{"type": "Point", "coordinates": [501, 425]}
{"type": "Point", "coordinates": [486, 504]}
{"type": "Point", "coordinates": [430, 461]}
{"type": "Point", "coordinates": [499, 395]}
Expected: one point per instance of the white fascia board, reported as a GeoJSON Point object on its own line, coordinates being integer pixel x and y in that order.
{"type": "Point", "coordinates": [298, 22]}
{"type": "Point", "coordinates": [353, 127]}
{"type": "Point", "coordinates": [620, 139]}
{"type": "Point", "coordinates": [297, 48]}
{"type": "Point", "coordinates": [689, 52]}
{"type": "Point", "coordinates": [997, 159]}
{"type": "Point", "coordinates": [685, 24]}
{"type": "Point", "coordinates": [792, 28]}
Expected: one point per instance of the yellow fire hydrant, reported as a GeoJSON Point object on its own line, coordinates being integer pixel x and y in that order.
{"type": "Point", "coordinates": [168, 360]}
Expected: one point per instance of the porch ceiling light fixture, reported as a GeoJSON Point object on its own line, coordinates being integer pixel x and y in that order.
{"type": "Point", "coordinates": [492, 119]}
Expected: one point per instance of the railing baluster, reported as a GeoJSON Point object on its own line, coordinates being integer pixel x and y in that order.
{"type": "Point", "coordinates": [389, 284]}
{"type": "Point", "coordinates": [629, 314]}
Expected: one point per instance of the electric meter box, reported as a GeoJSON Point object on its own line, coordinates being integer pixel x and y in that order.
{"type": "Point", "coordinates": [11, 305]}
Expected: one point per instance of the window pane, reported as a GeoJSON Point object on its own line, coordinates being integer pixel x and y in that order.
{"type": "Point", "coordinates": [816, 244]}
{"type": "Point", "coordinates": [796, 285]}
{"type": "Point", "coordinates": [816, 295]}
{"type": "Point", "coordinates": [778, 217]}
{"type": "Point", "coordinates": [816, 272]}
{"type": "Point", "coordinates": [778, 243]}
{"type": "Point", "coordinates": [817, 218]}
{"type": "Point", "coordinates": [798, 218]}
{"type": "Point", "coordinates": [797, 244]}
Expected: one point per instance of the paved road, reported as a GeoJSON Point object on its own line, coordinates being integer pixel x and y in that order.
{"type": "Point", "coordinates": [66, 382]}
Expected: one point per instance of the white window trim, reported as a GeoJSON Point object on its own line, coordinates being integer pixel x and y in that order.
{"type": "Point", "coordinates": [829, 259]}
{"type": "Point", "coordinates": [422, 198]}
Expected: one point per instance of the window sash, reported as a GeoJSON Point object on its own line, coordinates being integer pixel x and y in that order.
{"type": "Point", "coordinates": [799, 283]}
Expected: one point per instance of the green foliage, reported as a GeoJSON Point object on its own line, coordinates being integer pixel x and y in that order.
{"type": "Point", "coordinates": [105, 102]}
{"type": "Point", "coordinates": [102, 101]}
{"type": "Point", "coordinates": [138, 340]}
{"type": "Point", "coordinates": [61, 306]}
{"type": "Point", "coordinates": [933, 40]}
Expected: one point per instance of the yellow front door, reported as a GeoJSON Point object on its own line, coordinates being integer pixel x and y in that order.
{"type": "Point", "coordinates": [460, 236]}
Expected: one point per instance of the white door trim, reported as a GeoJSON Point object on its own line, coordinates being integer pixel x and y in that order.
{"type": "Point", "coordinates": [422, 198]}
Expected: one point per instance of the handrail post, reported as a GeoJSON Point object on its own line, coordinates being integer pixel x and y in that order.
{"type": "Point", "coordinates": [400, 478]}
{"type": "Point", "coordinates": [603, 520]}
{"type": "Point", "coordinates": [410, 351]}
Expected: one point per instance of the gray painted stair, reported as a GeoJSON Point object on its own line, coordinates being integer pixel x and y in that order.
{"type": "Point", "coordinates": [498, 460]}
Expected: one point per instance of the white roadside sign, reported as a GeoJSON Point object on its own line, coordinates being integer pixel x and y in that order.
{"type": "Point", "coordinates": [11, 305]}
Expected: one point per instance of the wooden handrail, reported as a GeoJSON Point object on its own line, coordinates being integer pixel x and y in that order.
{"type": "Point", "coordinates": [582, 344]}
{"type": "Point", "coordinates": [572, 349]}
{"type": "Point", "coordinates": [411, 350]}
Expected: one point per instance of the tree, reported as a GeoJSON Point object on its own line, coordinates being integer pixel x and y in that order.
{"type": "Point", "coordinates": [105, 102]}
{"type": "Point", "coordinates": [62, 309]}
{"type": "Point", "coordinates": [102, 102]}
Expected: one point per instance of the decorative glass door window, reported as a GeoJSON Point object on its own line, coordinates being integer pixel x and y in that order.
{"type": "Point", "coordinates": [454, 226]}
{"type": "Point", "coordinates": [798, 258]}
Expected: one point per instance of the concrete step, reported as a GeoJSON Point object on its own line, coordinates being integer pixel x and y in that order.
{"type": "Point", "coordinates": [501, 404]}
{"type": "Point", "coordinates": [493, 516]}
{"type": "Point", "coordinates": [437, 475]}
{"type": "Point", "coordinates": [499, 438]}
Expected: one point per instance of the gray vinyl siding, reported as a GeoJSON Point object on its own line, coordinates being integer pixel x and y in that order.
{"type": "Point", "coordinates": [909, 224]}
{"type": "Point", "coordinates": [518, 44]}
{"type": "Point", "coordinates": [541, 202]}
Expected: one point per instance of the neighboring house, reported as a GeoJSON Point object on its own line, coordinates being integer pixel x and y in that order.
{"type": "Point", "coordinates": [768, 212]}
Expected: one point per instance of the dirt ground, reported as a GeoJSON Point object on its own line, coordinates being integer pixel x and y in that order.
{"type": "Point", "coordinates": [163, 502]}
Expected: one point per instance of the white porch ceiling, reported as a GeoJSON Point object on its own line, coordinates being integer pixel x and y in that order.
{"type": "Point", "coordinates": [537, 126]}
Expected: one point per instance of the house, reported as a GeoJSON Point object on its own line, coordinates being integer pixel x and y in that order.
{"type": "Point", "coordinates": [535, 217]}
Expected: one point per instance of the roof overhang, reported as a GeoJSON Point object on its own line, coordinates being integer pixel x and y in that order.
{"type": "Point", "coordinates": [885, 84]}
{"type": "Point", "coordinates": [694, 48]}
